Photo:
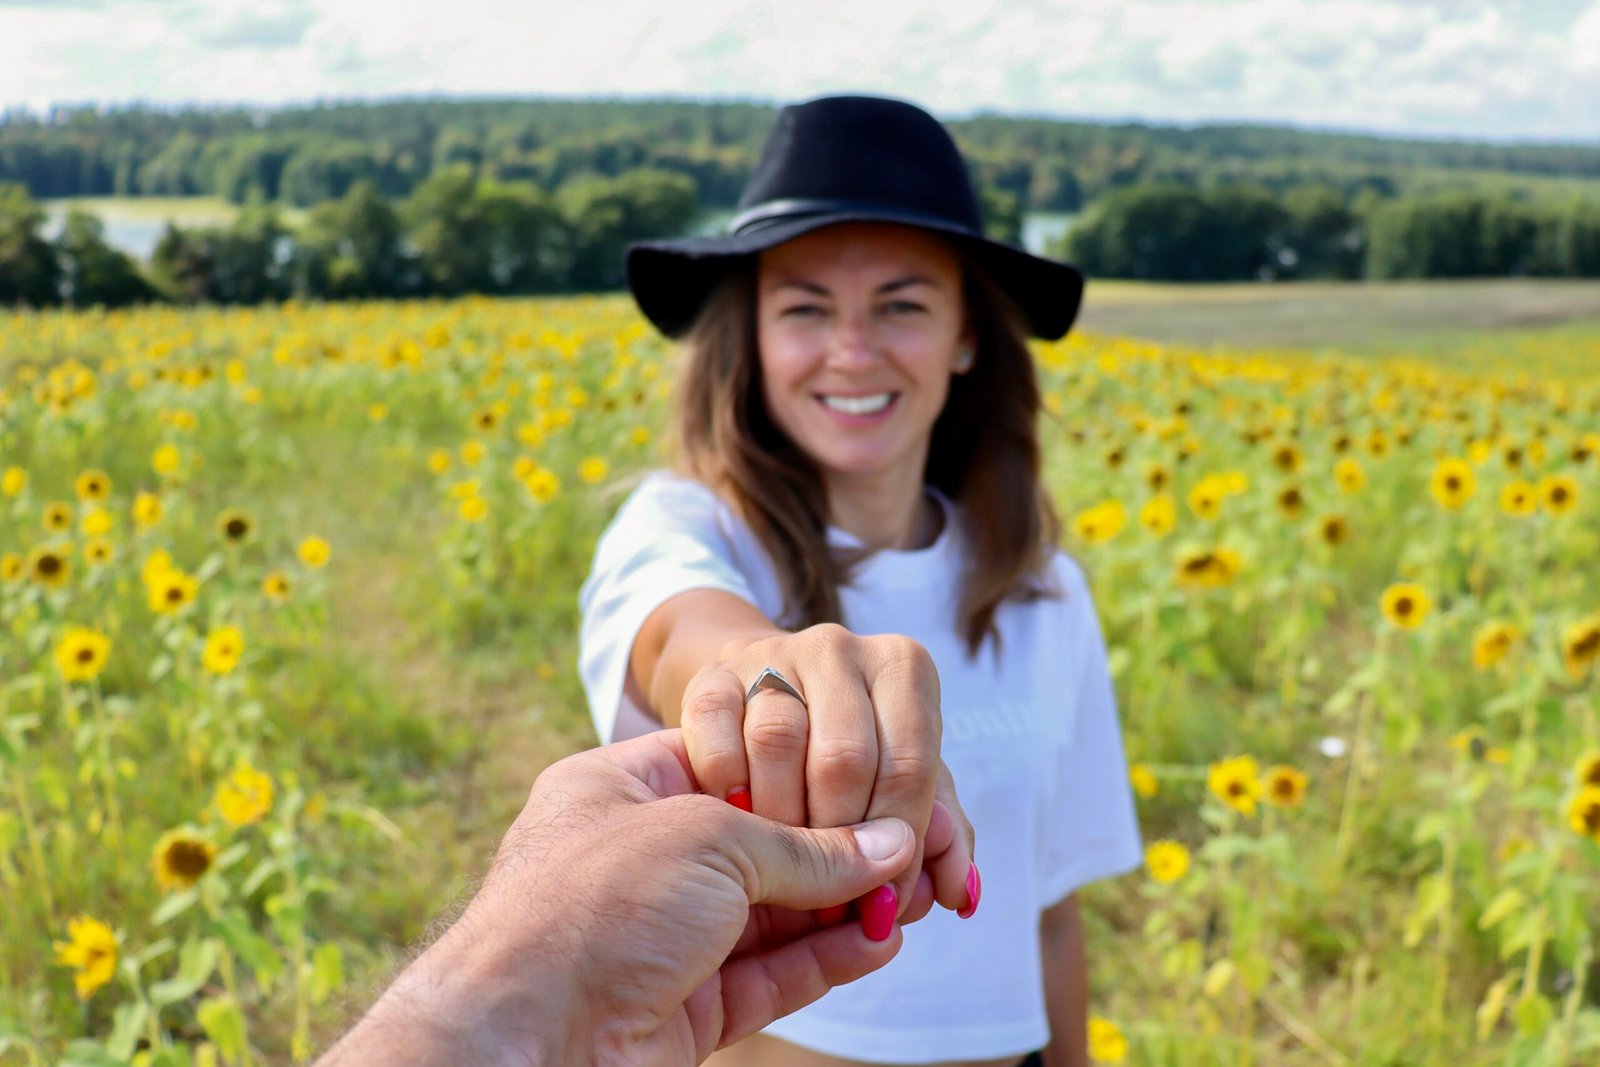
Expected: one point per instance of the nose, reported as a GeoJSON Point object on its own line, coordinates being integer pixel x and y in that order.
{"type": "Point", "coordinates": [853, 342]}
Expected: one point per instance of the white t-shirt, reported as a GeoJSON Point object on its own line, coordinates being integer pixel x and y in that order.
{"type": "Point", "coordinates": [1032, 741]}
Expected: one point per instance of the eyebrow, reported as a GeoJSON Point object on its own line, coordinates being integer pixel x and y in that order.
{"type": "Point", "coordinates": [887, 287]}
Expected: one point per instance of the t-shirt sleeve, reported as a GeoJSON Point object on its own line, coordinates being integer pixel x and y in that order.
{"type": "Point", "coordinates": [1095, 831]}
{"type": "Point", "coordinates": [670, 536]}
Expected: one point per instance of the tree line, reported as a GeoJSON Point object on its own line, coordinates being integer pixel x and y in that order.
{"type": "Point", "coordinates": [455, 234]}
{"type": "Point", "coordinates": [1239, 232]}
{"type": "Point", "coordinates": [458, 233]}
{"type": "Point", "coordinates": [305, 156]}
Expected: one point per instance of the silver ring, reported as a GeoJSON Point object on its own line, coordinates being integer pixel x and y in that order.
{"type": "Point", "coordinates": [771, 679]}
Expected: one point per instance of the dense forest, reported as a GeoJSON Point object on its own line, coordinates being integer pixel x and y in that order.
{"type": "Point", "coordinates": [306, 155]}
{"type": "Point", "coordinates": [441, 197]}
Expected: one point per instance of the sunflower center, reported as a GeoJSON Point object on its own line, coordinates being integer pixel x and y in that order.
{"type": "Point", "coordinates": [188, 859]}
{"type": "Point", "coordinates": [49, 565]}
{"type": "Point", "coordinates": [1404, 606]}
{"type": "Point", "coordinates": [1591, 819]}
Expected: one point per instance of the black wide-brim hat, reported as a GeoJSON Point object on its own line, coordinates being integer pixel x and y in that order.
{"type": "Point", "coordinates": [850, 159]}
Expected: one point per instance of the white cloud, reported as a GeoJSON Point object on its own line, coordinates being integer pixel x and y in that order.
{"type": "Point", "coordinates": [1486, 68]}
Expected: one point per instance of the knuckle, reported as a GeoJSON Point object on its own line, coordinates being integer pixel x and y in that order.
{"type": "Point", "coordinates": [906, 770]}
{"type": "Point", "coordinates": [842, 762]}
{"type": "Point", "coordinates": [775, 737]}
{"type": "Point", "coordinates": [705, 710]}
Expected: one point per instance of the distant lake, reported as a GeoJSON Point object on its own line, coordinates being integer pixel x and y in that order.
{"type": "Point", "coordinates": [135, 224]}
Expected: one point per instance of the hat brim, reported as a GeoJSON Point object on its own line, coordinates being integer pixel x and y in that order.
{"type": "Point", "coordinates": [671, 280]}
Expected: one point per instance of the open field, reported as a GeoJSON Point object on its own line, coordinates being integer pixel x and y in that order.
{"type": "Point", "coordinates": [1378, 316]}
{"type": "Point", "coordinates": [289, 610]}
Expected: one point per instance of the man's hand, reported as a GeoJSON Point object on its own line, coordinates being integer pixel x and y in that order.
{"type": "Point", "coordinates": [629, 919]}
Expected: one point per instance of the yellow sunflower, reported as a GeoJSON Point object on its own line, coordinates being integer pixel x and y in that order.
{"type": "Point", "coordinates": [1159, 515]}
{"type": "Point", "coordinates": [542, 485]}
{"type": "Point", "coordinates": [1349, 475]}
{"type": "Point", "coordinates": [170, 590]}
{"type": "Point", "coordinates": [315, 552]}
{"type": "Point", "coordinates": [95, 523]}
{"type": "Point", "coordinates": [1558, 493]}
{"type": "Point", "coordinates": [57, 517]}
{"type": "Point", "coordinates": [1584, 814]}
{"type": "Point", "coordinates": [1236, 783]}
{"type": "Point", "coordinates": [1453, 483]}
{"type": "Point", "coordinates": [180, 858]}
{"type": "Point", "coordinates": [91, 950]}
{"type": "Point", "coordinates": [165, 460]}
{"type": "Point", "coordinates": [1284, 787]}
{"type": "Point", "coordinates": [1406, 605]}
{"type": "Point", "coordinates": [275, 587]}
{"type": "Point", "coordinates": [146, 510]}
{"type": "Point", "coordinates": [1143, 781]}
{"type": "Point", "coordinates": [592, 471]}
{"type": "Point", "coordinates": [1587, 770]}
{"type": "Point", "coordinates": [224, 646]}
{"type": "Point", "coordinates": [245, 797]}
{"type": "Point", "coordinates": [49, 567]}
{"type": "Point", "coordinates": [439, 461]}
{"type": "Point", "coordinates": [1166, 861]}
{"type": "Point", "coordinates": [473, 509]}
{"type": "Point", "coordinates": [1333, 530]}
{"type": "Point", "coordinates": [13, 482]}
{"type": "Point", "coordinates": [1207, 568]}
{"type": "Point", "coordinates": [1106, 1042]}
{"type": "Point", "coordinates": [81, 654]}
{"type": "Point", "coordinates": [1518, 500]}
{"type": "Point", "coordinates": [1580, 646]}
{"type": "Point", "coordinates": [12, 566]}
{"type": "Point", "coordinates": [1101, 523]}
{"type": "Point", "coordinates": [1291, 501]}
{"type": "Point", "coordinates": [1492, 643]}
{"type": "Point", "coordinates": [93, 485]}
{"type": "Point", "coordinates": [235, 526]}
{"type": "Point", "coordinates": [99, 552]}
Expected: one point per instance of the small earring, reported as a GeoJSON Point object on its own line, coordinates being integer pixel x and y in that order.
{"type": "Point", "coordinates": [964, 360]}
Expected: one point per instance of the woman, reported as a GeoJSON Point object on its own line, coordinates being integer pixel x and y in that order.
{"type": "Point", "coordinates": [854, 570]}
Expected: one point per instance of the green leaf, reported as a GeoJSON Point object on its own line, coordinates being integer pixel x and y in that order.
{"type": "Point", "coordinates": [88, 1054]}
{"type": "Point", "coordinates": [1501, 907]}
{"type": "Point", "coordinates": [327, 972]}
{"type": "Point", "coordinates": [256, 951]}
{"type": "Point", "coordinates": [174, 906]}
{"type": "Point", "coordinates": [1433, 894]}
{"type": "Point", "coordinates": [172, 1056]}
{"type": "Point", "coordinates": [223, 1023]}
{"type": "Point", "coordinates": [1533, 1015]}
{"type": "Point", "coordinates": [254, 880]}
{"type": "Point", "coordinates": [153, 951]}
{"type": "Point", "coordinates": [231, 855]}
{"type": "Point", "coordinates": [126, 1026]}
{"type": "Point", "coordinates": [196, 961]}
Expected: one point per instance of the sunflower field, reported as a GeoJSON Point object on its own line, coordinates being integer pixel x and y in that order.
{"type": "Point", "coordinates": [288, 601]}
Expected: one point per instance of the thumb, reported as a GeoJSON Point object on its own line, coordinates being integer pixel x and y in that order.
{"type": "Point", "coordinates": [796, 867]}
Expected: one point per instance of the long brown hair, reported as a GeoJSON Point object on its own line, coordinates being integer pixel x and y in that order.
{"type": "Point", "coordinates": [984, 455]}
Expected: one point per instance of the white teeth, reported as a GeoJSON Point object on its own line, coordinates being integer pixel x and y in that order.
{"type": "Point", "coordinates": [859, 405]}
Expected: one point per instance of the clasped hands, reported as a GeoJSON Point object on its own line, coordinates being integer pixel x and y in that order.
{"type": "Point", "coordinates": [633, 915]}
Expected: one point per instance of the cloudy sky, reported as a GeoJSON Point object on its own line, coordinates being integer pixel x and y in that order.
{"type": "Point", "coordinates": [1478, 69]}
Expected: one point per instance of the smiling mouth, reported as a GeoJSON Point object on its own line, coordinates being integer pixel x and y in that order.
{"type": "Point", "coordinates": [858, 405]}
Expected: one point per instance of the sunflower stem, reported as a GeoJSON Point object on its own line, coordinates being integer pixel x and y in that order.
{"type": "Point", "coordinates": [1345, 839]}
{"type": "Point", "coordinates": [107, 770]}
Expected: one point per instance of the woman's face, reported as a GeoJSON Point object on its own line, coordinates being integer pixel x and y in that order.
{"type": "Point", "coordinates": [859, 327]}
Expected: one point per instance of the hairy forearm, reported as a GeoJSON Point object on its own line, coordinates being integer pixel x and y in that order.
{"type": "Point", "coordinates": [462, 1002]}
{"type": "Point", "coordinates": [1066, 985]}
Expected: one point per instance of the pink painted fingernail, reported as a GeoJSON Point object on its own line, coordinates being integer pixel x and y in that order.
{"type": "Point", "coordinates": [739, 797]}
{"type": "Point", "coordinates": [974, 892]}
{"type": "Point", "coordinates": [833, 916]}
{"type": "Point", "coordinates": [878, 910]}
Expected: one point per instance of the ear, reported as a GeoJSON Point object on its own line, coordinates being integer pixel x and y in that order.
{"type": "Point", "coordinates": [966, 352]}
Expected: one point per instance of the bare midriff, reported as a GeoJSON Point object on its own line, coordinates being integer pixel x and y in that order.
{"type": "Point", "coordinates": [764, 1051]}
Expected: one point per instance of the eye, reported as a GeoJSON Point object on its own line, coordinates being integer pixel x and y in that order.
{"type": "Point", "coordinates": [903, 307]}
{"type": "Point", "coordinates": [801, 311]}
